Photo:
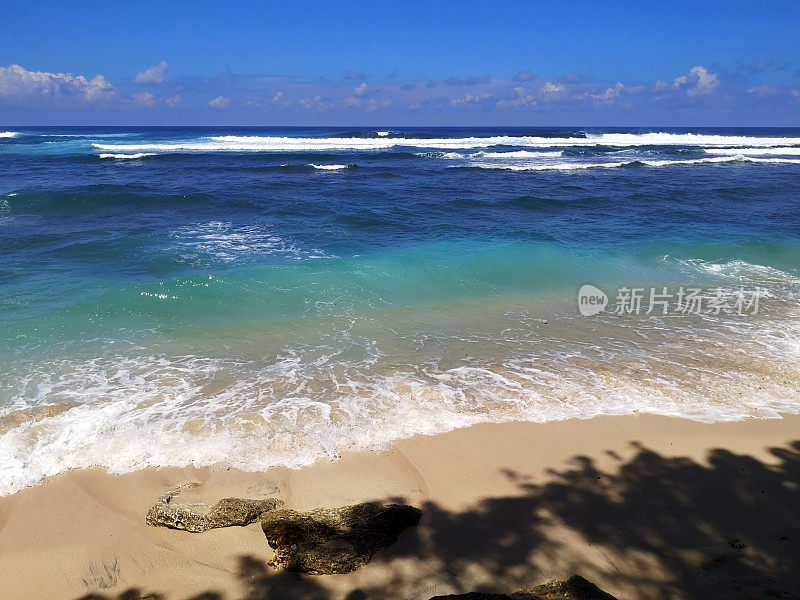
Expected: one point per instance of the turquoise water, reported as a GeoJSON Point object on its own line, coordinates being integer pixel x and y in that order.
{"type": "Point", "coordinates": [255, 297]}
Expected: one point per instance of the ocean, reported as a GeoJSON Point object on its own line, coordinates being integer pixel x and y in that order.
{"type": "Point", "coordinates": [255, 297]}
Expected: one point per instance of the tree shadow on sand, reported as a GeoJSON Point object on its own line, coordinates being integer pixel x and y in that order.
{"type": "Point", "coordinates": [663, 528]}
{"type": "Point", "coordinates": [726, 529]}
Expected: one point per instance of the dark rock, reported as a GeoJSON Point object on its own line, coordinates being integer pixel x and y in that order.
{"type": "Point", "coordinates": [481, 596]}
{"type": "Point", "coordinates": [336, 540]}
{"type": "Point", "coordinates": [197, 517]}
{"type": "Point", "coordinates": [574, 588]}
{"type": "Point", "coordinates": [486, 596]}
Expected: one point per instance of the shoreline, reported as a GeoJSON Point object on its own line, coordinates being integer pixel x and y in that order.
{"type": "Point", "coordinates": [641, 505]}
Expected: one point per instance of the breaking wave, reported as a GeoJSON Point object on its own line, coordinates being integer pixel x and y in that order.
{"type": "Point", "coordinates": [329, 167]}
{"type": "Point", "coordinates": [233, 143]}
{"type": "Point", "coordinates": [122, 156]}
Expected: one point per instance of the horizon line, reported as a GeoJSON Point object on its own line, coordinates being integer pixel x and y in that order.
{"type": "Point", "coordinates": [384, 126]}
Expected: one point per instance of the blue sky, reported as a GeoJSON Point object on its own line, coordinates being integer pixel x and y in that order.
{"type": "Point", "coordinates": [400, 63]}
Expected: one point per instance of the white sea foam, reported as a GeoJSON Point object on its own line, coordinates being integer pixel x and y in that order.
{"type": "Point", "coordinates": [328, 167]}
{"type": "Point", "coordinates": [8, 134]}
{"type": "Point", "coordinates": [129, 412]}
{"type": "Point", "coordinates": [740, 272]}
{"type": "Point", "coordinates": [687, 139]}
{"type": "Point", "coordinates": [228, 242]}
{"type": "Point", "coordinates": [445, 155]}
{"type": "Point", "coordinates": [234, 143]}
{"type": "Point", "coordinates": [121, 156]}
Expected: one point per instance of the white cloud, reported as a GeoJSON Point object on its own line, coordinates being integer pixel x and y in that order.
{"type": "Point", "coordinates": [19, 84]}
{"type": "Point", "coordinates": [705, 82]}
{"type": "Point", "coordinates": [174, 100]}
{"type": "Point", "coordinates": [551, 88]}
{"type": "Point", "coordinates": [552, 92]}
{"type": "Point", "coordinates": [277, 97]}
{"type": "Point", "coordinates": [220, 102]}
{"type": "Point", "coordinates": [154, 74]}
{"type": "Point", "coordinates": [522, 99]}
{"type": "Point", "coordinates": [360, 90]}
{"type": "Point", "coordinates": [353, 101]}
{"type": "Point", "coordinates": [144, 99]}
{"type": "Point", "coordinates": [609, 95]}
{"type": "Point", "coordinates": [314, 103]}
{"type": "Point", "coordinates": [699, 81]}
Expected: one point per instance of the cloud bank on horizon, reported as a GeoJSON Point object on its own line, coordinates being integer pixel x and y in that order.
{"type": "Point", "coordinates": [520, 99]}
{"type": "Point", "coordinates": [359, 63]}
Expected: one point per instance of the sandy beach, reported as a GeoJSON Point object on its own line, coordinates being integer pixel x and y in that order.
{"type": "Point", "coordinates": [644, 506]}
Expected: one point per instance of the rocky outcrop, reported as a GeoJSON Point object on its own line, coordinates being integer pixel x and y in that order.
{"type": "Point", "coordinates": [335, 540]}
{"type": "Point", "coordinates": [197, 517]}
{"type": "Point", "coordinates": [482, 596]}
{"type": "Point", "coordinates": [485, 596]}
{"type": "Point", "coordinates": [574, 588]}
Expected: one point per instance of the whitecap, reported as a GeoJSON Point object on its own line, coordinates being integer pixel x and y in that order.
{"type": "Point", "coordinates": [328, 167]}
{"type": "Point", "coordinates": [121, 156]}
